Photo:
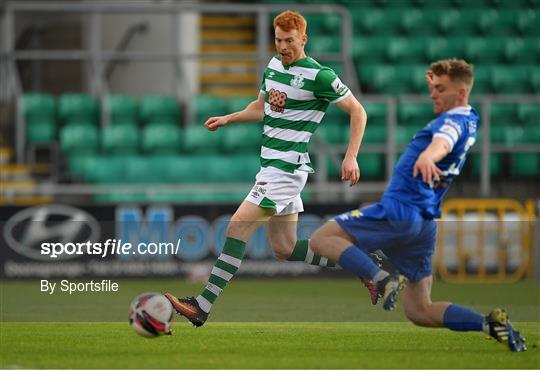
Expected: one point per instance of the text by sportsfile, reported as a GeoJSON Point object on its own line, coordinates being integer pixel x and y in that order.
{"type": "Point", "coordinates": [109, 247]}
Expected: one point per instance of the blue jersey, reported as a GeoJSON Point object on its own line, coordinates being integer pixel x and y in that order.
{"type": "Point", "coordinates": [459, 127]}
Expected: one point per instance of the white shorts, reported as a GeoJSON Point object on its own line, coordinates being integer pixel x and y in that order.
{"type": "Point", "coordinates": [276, 189]}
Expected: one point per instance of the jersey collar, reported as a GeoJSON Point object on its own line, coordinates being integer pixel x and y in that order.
{"type": "Point", "coordinates": [462, 110]}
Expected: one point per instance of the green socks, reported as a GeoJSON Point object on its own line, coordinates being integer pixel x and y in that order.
{"type": "Point", "coordinates": [303, 253]}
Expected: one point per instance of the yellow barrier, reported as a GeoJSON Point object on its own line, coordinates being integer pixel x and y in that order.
{"type": "Point", "coordinates": [470, 229]}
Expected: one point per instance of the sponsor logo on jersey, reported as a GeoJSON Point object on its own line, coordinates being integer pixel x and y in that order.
{"type": "Point", "coordinates": [277, 99]}
{"type": "Point", "coordinates": [338, 86]}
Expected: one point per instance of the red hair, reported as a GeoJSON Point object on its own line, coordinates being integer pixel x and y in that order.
{"type": "Point", "coordinates": [289, 20]}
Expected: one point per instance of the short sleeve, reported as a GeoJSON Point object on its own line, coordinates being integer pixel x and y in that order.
{"type": "Point", "coordinates": [330, 87]}
{"type": "Point", "coordinates": [449, 129]}
{"type": "Point", "coordinates": [263, 82]}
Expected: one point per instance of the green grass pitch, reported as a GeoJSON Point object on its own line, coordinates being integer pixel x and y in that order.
{"type": "Point", "coordinates": [259, 324]}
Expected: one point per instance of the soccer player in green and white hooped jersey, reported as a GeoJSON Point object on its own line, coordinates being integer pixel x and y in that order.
{"type": "Point", "coordinates": [295, 93]}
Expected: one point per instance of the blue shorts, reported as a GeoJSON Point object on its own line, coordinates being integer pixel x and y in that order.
{"type": "Point", "coordinates": [404, 236]}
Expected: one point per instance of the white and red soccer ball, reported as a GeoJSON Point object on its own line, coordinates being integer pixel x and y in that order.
{"type": "Point", "coordinates": [151, 315]}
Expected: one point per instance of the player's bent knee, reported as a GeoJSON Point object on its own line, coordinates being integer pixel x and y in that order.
{"type": "Point", "coordinates": [282, 249]}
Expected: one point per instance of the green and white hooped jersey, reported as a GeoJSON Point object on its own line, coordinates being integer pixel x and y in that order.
{"type": "Point", "coordinates": [296, 99]}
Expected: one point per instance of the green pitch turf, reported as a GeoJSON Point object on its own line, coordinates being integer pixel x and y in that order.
{"type": "Point", "coordinates": [220, 345]}
{"type": "Point", "coordinates": [295, 323]}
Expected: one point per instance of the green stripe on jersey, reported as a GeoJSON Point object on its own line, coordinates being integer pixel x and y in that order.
{"type": "Point", "coordinates": [309, 126]}
{"type": "Point", "coordinates": [284, 145]}
{"type": "Point", "coordinates": [279, 164]}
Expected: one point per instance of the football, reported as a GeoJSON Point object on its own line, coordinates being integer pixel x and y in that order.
{"type": "Point", "coordinates": [151, 315]}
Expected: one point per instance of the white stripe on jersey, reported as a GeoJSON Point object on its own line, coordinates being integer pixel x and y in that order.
{"type": "Point", "coordinates": [290, 156]}
{"type": "Point", "coordinates": [307, 73]}
{"type": "Point", "coordinates": [445, 137]}
{"type": "Point", "coordinates": [294, 93]}
{"type": "Point", "coordinates": [295, 115]}
{"type": "Point", "coordinates": [287, 134]}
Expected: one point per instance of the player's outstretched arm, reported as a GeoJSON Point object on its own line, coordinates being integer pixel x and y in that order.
{"type": "Point", "coordinates": [254, 112]}
{"type": "Point", "coordinates": [425, 164]}
{"type": "Point", "coordinates": [349, 167]}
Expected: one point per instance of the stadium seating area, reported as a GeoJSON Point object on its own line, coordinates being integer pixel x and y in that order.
{"type": "Point", "coordinates": [122, 140]}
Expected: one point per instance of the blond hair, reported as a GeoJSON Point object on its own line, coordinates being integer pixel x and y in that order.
{"type": "Point", "coordinates": [457, 70]}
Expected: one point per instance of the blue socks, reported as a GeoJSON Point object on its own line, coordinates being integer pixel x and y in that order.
{"type": "Point", "coordinates": [356, 261]}
{"type": "Point", "coordinates": [458, 318]}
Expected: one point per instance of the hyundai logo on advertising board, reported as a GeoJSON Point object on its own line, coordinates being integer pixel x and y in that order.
{"type": "Point", "coordinates": [26, 230]}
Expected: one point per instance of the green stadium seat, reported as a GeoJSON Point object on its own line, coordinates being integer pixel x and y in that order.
{"type": "Point", "coordinates": [159, 108]}
{"type": "Point", "coordinates": [120, 138]}
{"type": "Point", "coordinates": [374, 133]}
{"type": "Point", "coordinates": [161, 137]}
{"type": "Point", "coordinates": [497, 134]}
{"type": "Point", "coordinates": [531, 133]}
{"type": "Point", "coordinates": [484, 49]}
{"type": "Point", "coordinates": [482, 80]}
{"type": "Point", "coordinates": [369, 49]}
{"type": "Point", "coordinates": [527, 22]}
{"type": "Point", "coordinates": [494, 22]}
{"type": "Point", "coordinates": [534, 81]}
{"type": "Point", "coordinates": [186, 169]}
{"type": "Point", "coordinates": [121, 108]}
{"type": "Point", "coordinates": [452, 22]}
{"type": "Point", "coordinates": [503, 113]}
{"type": "Point", "coordinates": [417, 114]}
{"type": "Point", "coordinates": [376, 112]}
{"type": "Point", "coordinates": [79, 138]}
{"type": "Point", "coordinates": [436, 48]}
{"type": "Point", "coordinates": [513, 79]}
{"type": "Point", "coordinates": [371, 21]}
{"type": "Point", "coordinates": [525, 164]}
{"type": "Point", "coordinates": [238, 168]}
{"type": "Point", "coordinates": [380, 79]}
{"type": "Point", "coordinates": [39, 112]}
{"type": "Point", "coordinates": [144, 170]}
{"type": "Point", "coordinates": [77, 164]}
{"type": "Point", "coordinates": [197, 139]}
{"type": "Point", "coordinates": [495, 163]}
{"type": "Point", "coordinates": [207, 106]}
{"type": "Point", "coordinates": [522, 49]}
{"type": "Point", "coordinates": [242, 138]}
{"type": "Point", "coordinates": [333, 132]}
{"type": "Point", "coordinates": [401, 50]}
{"type": "Point", "coordinates": [104, 169]}
{"type": "Point", "coordinates": [41, 130]}
{"type": "Point", "coordinates": [38, 106]}
{"type": "Point", "coordinates": [529, 113]}
{"type": "Point", "coordinates": [78, 107]}
{"type": "Point", "coordinates": [324, 44]}
{"type": "Point", "coordinates": [404, 134]}
{"type": "Point", "coordinates": [236, 104]}
{"type": "Point", "coordinates": [414, 22]}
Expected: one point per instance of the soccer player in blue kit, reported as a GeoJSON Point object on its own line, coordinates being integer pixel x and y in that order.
{"type": "Point", "coordinates": [402, 223]}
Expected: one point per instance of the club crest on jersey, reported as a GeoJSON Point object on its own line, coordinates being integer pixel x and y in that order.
{"type": "Point", "coordinates": [277, 99]}
{"type": "Point", "coordinates": [297, 81]}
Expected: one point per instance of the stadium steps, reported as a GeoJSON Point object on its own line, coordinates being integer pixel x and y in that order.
{"type": "Point", "coordinates": [226, 77]}
{"type": "Point", "coordinates": [17, 178]}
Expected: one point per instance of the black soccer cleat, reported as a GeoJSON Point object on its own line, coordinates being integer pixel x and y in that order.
{"type": "Point", "coordinates": [382, 262]}
{"type": "Point", "coordinates": [502, 330]}
{"type": "Point", "coordinates": [189, 308]}
{"type": "Point", "coordinates": [388, 289]}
